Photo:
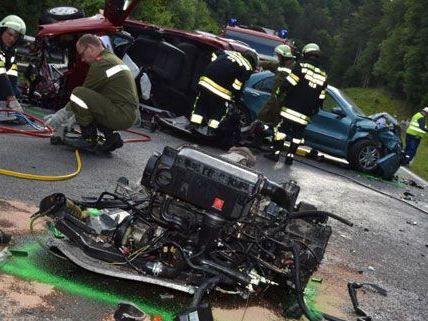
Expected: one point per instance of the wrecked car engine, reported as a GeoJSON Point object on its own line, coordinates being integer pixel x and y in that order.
{"type": "Point", "coordinates": [197, 222]}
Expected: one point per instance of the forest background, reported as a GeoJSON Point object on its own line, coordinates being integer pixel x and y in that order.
{"type": "Point", "coordinates": [365, 43]}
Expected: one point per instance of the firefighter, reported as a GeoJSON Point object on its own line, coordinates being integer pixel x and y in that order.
{"type": "Point", "coordinates": [107, 100]}
{"type": "Point", "coordinates": [301, 95]}
{"type": "Point", "coordinates": [414, 134]}
{"type": "Point", "coordinates": [286, 61]}
{"type": "Point", "coordinates": [219, 87]}
{"type": "Point", "coordinates": [12, 28]}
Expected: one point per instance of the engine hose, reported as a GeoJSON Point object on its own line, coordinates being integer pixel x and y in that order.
{"type": "Point", "coordinates": [41, 130]}
{"type": "Point", "coordinates": [315, 214]}
{"type": "Point", "coordinates": [363, 185]}
{"type": "Point", "coordinates": [46, 178]}
{"type": "Point", "coordinates": [146, 138]}
{"type": "Point", "coordinates": [299, 291]}
{"type": "Point", "coordinates": [204, 287]}
{"type": "Point", "coordinates": [189, 263]}
{"type": "Point", "coordinates": [236, 275]}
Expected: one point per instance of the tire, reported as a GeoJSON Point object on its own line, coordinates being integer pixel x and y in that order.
{"type": "Point", "coordinates": [363, 156]}
{"type": "Point", "coordinates": [55, 14]}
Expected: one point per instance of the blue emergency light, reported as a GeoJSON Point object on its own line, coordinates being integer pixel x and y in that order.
{"type": "Point", "coordinates": [283, 33]}
{"type": "Point", "coordinates": [233, 22]}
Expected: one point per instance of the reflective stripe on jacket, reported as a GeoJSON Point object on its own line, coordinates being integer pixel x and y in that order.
{"type": "Point", "coordinates": [226, 74]}
{"type": "Point", "coordinates": [417, 126]}
{"type": "Point", "coordinates": [8, 72]}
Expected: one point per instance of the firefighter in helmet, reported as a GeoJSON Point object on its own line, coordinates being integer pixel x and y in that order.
{"type": "Point", "coordinates": [219, 87]}
{"type": "Point", "coordinates": [12, 28]}
{"type": "Point", "coordinates": [281, 68]}
{"type": "Point", "coordinates": [300, 97]}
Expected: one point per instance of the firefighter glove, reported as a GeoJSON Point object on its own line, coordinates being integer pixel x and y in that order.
{"type": "Point", "coordinates": [15, 105]}
{"type": "Point", "coordinates": [63, 118]}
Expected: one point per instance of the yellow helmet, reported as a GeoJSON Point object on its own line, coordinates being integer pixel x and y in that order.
{"type": "Point", "coordinates": [15, 23]}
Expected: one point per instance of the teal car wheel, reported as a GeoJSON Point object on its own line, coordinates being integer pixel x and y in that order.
{"type": "Point", "coordinates": [364, 155]}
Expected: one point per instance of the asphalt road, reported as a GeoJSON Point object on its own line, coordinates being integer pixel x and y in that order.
{"type": "Point", "coordinates": [388, 244]}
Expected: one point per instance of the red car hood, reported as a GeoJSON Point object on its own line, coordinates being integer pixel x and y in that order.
{"type": "Point", "coordinates": [96, 23]}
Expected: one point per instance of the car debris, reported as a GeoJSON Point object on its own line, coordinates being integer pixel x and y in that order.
{"type": "Point", "coordinates": [186, 225]}
{"type": "Point", "coordinates": [127, 311]}
{"type": "Point", "coordinates": [4, 237]}
{"type": "Point", "coordinates": [352, 290]}
{"type": "Point", "coordinates": [412, 222]}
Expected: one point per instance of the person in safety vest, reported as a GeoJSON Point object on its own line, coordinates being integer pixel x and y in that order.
{"type": "Point", "coordinates": [219, 86]}
{"type": "Point", "coordinates": [12, 29]}
{"type": "Point", "coordinates": [415, 132]}
{"type": "Point", "coordinates": [281, 68]}
{"type": "Point", "coordinates": [301, 96]}
{"type": "Point", "coordinates": [107, 100]}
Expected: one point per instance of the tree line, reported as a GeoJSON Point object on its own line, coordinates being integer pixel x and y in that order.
{"type": "Point", "coordinates": [365, 43]}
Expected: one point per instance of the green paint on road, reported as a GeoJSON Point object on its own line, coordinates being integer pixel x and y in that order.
{"type": "Point", "coordinates": [26, 268]}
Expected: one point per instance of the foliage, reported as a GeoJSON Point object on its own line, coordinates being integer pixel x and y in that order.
{"type": "Point", "coordinates": [365, 43]}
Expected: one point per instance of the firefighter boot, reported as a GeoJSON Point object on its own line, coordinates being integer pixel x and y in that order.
{"type": "Point", "coordinates": [87, 141]}
{"type": "Point", "coordinates": [278, 146]}
{"type": "Point", "coordinates": [291, 152]}
{"type": "Point", "coordinates": [112, 140]}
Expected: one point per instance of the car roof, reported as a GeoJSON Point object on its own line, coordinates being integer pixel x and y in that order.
{"type": "Point", "coordinates": [201, 37]}
{"type": "Point", "coordinates": [256, 33]}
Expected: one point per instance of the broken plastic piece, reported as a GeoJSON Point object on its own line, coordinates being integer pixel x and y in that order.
{"type": "Point", "coordinates": [4, 237]}
{"type": "Point", "coordinates": [129, 312]}
{"type": "Point", "coordinates": [318, 280]}
{"type": "Point", "coordinates": [18, 253]}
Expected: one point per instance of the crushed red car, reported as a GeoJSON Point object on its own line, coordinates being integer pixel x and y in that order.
{"type": "Point", "coordinates": [173, 59]}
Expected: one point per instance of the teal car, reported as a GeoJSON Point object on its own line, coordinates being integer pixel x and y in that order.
{"type": "Point", "coordinates": [340, 128]}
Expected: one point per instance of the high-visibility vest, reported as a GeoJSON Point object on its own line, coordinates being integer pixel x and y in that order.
{"type": "Point", "coordinates": [414, 126]}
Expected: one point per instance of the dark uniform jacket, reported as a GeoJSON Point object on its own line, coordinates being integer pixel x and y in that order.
{"type": "Point", "coordinates": [8, 72]}
{"type": "Point", "coordinates": [304, 89]}
{"type": "Point", "coordinates": [226, 75]}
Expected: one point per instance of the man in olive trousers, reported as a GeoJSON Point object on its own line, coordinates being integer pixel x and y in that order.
{"type": "Point", "coordinates": [107, 100]}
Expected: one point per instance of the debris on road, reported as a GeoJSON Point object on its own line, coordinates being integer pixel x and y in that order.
{"type": "Point", "coordinates": [352, 289]}
{"type": "Point", "coordinates": [4, 237]}
{"type": "Point", "coordinates": [128, 312]}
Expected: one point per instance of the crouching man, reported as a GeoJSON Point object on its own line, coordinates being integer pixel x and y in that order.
{"type": "Point", "coordinates": [107, 100]}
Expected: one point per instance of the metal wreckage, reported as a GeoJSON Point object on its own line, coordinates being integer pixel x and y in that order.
{"type": "Point", "coordinates": [197, 222]}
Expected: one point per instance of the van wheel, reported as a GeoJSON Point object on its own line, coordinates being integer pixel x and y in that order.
{"type": "Point", "coordinates": [55, 14]}
{"type": "Point", "coordinates": [364, 155]}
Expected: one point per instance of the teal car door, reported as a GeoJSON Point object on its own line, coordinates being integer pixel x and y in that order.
{"type": "Point", "coordinates": [330, 129]}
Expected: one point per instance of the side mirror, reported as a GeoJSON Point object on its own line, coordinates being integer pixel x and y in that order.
{"type": "Point", "coordinates": [338, 111]}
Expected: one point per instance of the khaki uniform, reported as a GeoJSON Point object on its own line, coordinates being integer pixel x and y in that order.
{"type": "Point", "coordinates": [108, 96]}
{"type": "Point", "coordinates": [271, 110]}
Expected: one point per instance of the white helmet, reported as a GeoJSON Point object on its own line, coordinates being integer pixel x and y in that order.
{"type": "Point", "coordinates": [284, 51]}
{"type": "Point", "coordinates": [15, 23]}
